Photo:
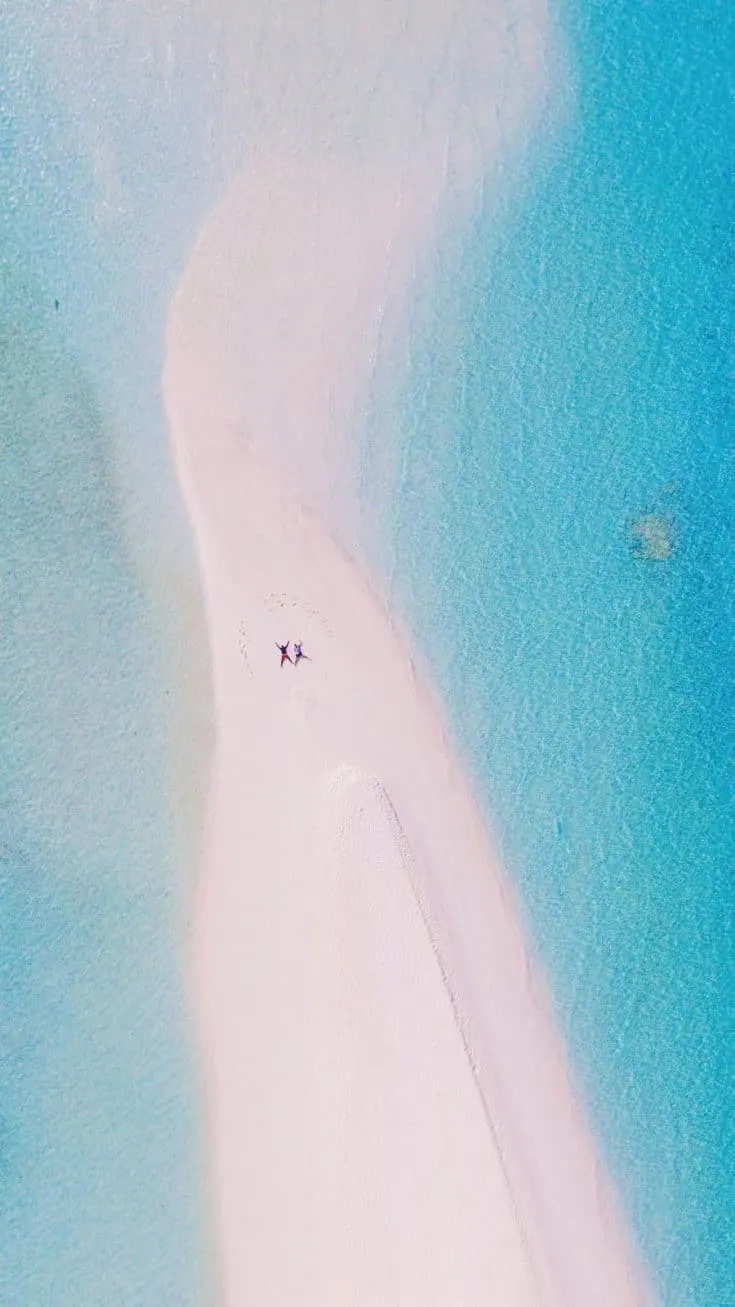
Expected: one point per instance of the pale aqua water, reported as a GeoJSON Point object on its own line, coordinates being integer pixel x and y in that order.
{"type": "Point", "coordinates": [593, 691]}
{"type": "Point", "coordinates": [102, 1178]}
{"type": "Point", "coordinates": [100, 1140]}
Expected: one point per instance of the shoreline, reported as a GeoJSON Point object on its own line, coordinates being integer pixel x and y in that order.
{"type": "Point", "coordinates": [384, 1129]}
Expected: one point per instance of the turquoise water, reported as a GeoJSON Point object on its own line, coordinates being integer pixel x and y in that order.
{"type": "Point", "coordinates": [102, 1173]}
{"type": "Point", "coordinates": [590, 688]}
{"type": "Point", "coordinates": [100, 1151]}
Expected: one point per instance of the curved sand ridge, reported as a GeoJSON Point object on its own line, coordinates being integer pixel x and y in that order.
{"type": "Point", "coordinates": [391, 1119]}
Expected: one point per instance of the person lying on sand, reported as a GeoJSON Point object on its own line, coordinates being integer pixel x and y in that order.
{"type": "Point", "coordinates": [299, 653]}
{"type": "Point", "coordinates": [285, 655]}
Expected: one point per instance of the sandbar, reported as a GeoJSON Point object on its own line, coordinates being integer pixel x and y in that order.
{"type": "Point", "coordinates": [392, 1120]}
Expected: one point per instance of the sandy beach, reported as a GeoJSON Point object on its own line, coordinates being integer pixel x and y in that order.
{"type": "Point", "coordinates": [391, 1118]}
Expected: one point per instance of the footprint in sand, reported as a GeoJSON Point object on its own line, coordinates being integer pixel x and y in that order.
{"type": "Point", "coordinates": [243, 647]}
{"type": "Point", "coordinates": [287, 603]}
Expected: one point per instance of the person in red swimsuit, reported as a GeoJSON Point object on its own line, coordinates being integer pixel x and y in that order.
{"type": "Point", "coordinates": [285, 655]}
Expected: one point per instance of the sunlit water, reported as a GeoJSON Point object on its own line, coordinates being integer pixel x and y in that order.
{"type": "Point", "coordinates": [100, 1141]}
{"type": "Point", "coordinates": [102, 1171]}
{"type": "Point", "coordinates": [564, 549]}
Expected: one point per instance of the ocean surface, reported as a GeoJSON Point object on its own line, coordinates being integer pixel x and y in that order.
{"type": "Point", "coordinates": [103, 1174]}
{"type": "Point", "coordinates": [101, 1154]}
{"type": "Point", "coordinates": [587, 408]}
{"type": "Point", "coordinates": [560, 544]}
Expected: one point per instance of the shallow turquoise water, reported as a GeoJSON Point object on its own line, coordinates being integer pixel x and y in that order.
{"type": "Point", "coordinates": [592, 689]}
{"type": "Point", "coordinates": [100, 1141]}
{"type": "Point", "coordinates": [102, 1174]}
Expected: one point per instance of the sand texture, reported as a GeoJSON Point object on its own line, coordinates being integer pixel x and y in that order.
{"type": "Point", "coordinates": [391, 1119]}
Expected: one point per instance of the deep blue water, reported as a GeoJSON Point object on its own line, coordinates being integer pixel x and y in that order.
{"type": "Point", "coordinates": [592, 689]}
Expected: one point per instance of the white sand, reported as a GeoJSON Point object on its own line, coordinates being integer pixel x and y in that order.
{"type": "Point", "coordinates": [391, 1119]}
{"type": "Point", "coordinates": [392, 1123]}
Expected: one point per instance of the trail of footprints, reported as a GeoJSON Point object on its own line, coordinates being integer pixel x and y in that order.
{"type": "Point", "coordinates": [243, 647]}
{"type": "Point", "coordinates": [287, 604]}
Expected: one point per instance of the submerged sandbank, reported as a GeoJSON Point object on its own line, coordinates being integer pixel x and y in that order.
{"type": "Point", "coordinates": [391, 1117]}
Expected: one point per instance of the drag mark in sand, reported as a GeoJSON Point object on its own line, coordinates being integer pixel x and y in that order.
{"type": "Point", "coordinates": [354, 798]}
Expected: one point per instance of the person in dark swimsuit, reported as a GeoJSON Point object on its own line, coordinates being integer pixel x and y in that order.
{"type": "Point", "coordinates": [299, 653]}
{"type": "Point", "coordinates": [285, 655]}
